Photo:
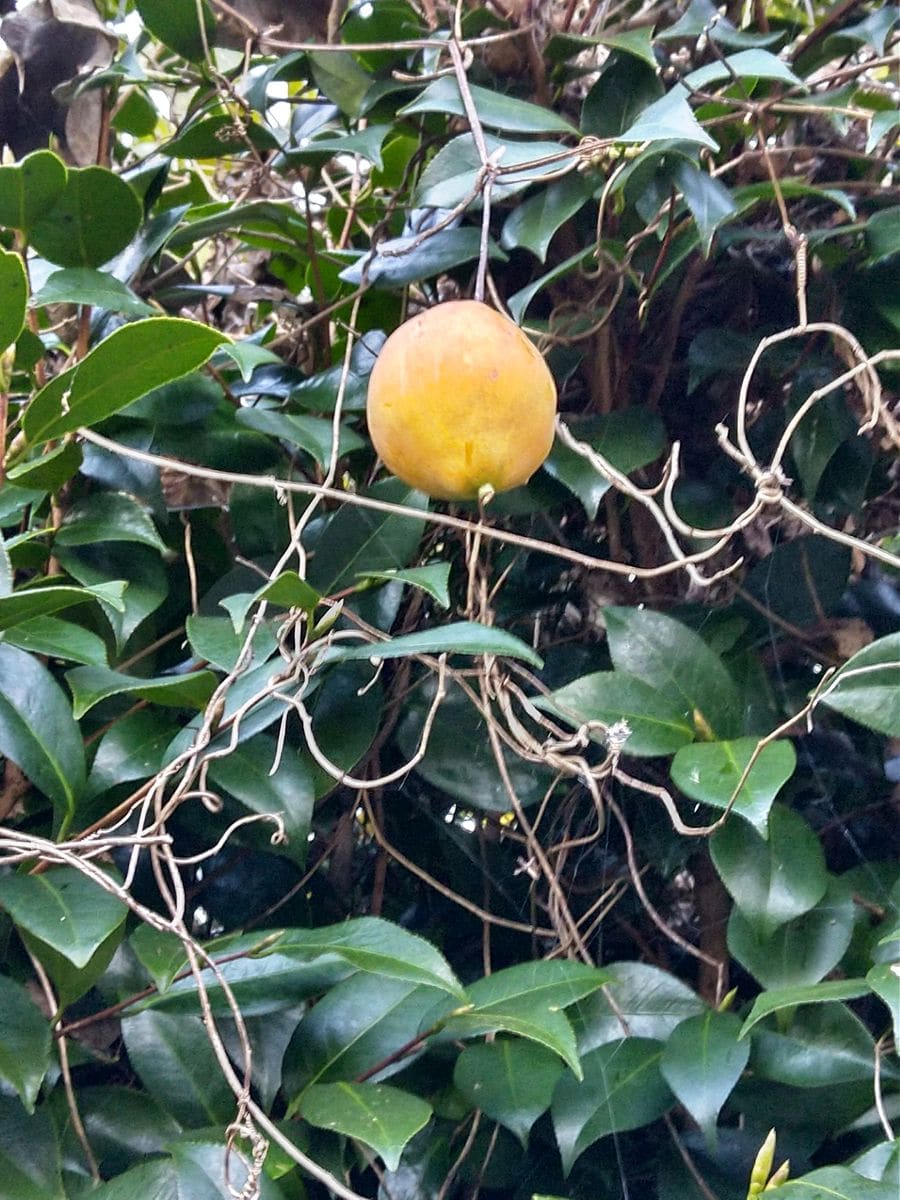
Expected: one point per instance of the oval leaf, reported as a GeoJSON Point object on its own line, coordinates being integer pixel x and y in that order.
{"type": "Point", "coordinates": [702, 1061]}
{"type": "Point", "coordinates": [63, 909]}
{"type": "Point", "coordinates": [711, 771]}
{"type": "Point", "coordinates": [377, 1115]}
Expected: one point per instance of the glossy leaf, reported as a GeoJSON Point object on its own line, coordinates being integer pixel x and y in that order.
{"type": "Point", "coordinates": [801, 951]}
{"type": "Point", "coordinates": [825, 1045]}
{"type": "Point", "coordinates": [377, 1115]}
{"type": "Point", "coordinates": [63, 909]}
{"type": "Point", "coordinates": [450, 178]}
{"type": "Point", "coordinates": [510, 1081]}
{"type": "Point", "coordinates": [534, 222]}
{"type": "Point", "coordinates": [25, 1042]}
{"type": "Point", "coordinates": [673, 659]}
{"type": "Point", "coordinates": [711, 772]}
{"type": "Point", "coordinates": [312, 434]}
{"type": "Point", "coordinates": [702, 1061]}
{"type": "Point", "coordinates": [461, 637]}
{"type": "Point", "coordinates": [656, 722]}
{"type": "Point", "coordinates": [37, 729]}
{"type": "Point", "coordinates": [835, 1183]}
{"type": "Point", "coordinates": [110, 517]}
{"type": "Point", "coordinates": [776, 999]}
{"type": "Point", "coordinates": [129, 363]}
{"type": "Point", "coordinates": [249, 774]}
{"type": "Point", "coordinates": [773, 879]}
{"type": "Point", "coordinates": [176, 1064]}
{"type": "Point", "coordinates": [30, 1158]}
{"type": "Point", "coordinates": [178, 26]}
{"type": "Point", "coordinates": [651, 1003]}
{"type": "Point", "coordinates": [746, 64]}
{"type": "Point", "coordinates": [28, 603]}
{"type": "Point", "coordinates": [867, 687]}
{"type": "Point", "coordinates": [95, 216]}
{"type": "Point", "coordinates": [59, 639]}
{"type": "Point", "coordinates": [371, 944]}
{"type": "Point", "coordinates": [433, 579]}
{"type": "Point", "coordinates": [670, 117]}
{"type": "Point", "coordinates": [884, 980]}
{"type": "Point", "coordinates": [495, 110]}
{"type": "Point", "coordinates": [90, 685]}
{"type": "Point", "coordinates": [84, 285]}
{"type": "Point", "coordinates": [13, 297]}
{"type": "Point", "coordinates": [132, 748]}
{"type": "Point", "coordinates": [622, 1089]}
{"type": "Point", "coordinates": [29, 189]}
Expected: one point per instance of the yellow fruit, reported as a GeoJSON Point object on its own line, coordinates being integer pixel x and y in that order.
{"type": "Point", "coordinates": [459, 400]}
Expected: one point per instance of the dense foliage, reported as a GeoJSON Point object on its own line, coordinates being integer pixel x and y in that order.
{"type": "Point", "coordinates": [355, 843]}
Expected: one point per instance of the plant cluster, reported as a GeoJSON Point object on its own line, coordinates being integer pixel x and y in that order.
{"type": "Point", "coordinates": [357, 843]}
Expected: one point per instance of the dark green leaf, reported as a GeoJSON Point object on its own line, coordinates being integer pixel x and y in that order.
{"type": "Point", "coordinates": [772, 879]}
{"type": "Point", "coordinates": [667, 119]}
{"type": "Point", "coordinates": [178, 25]}
{"type": "Point", "coordinates": [50, 469]}
{"type": "Point", "coordinates": [709, 200]}
{"type": "Point", "coordinates": [176, 1064]}
{"type": "Point", "coordinates": [825, 1045]}
{"type": "Point", "coordinates": [57, 638]}
{"type": "Point", "coordinates": [626, 87]}
{"type": "Point", "coordinates": [312, 434]}
{"type": "Point", "coordinates": [90, 685]}
{"type": "Point", "coordinates": [433, 579]}
{"type": "Point", "coordinates": [63, 909]}
{"type": "Point", "coordinates": [30, 1167]}
{"type": "Point", "coordinates": [672, 658]}
{"type": "Point", "coordinates": [24, 1042]}
{"type": "Point", "coordinates": [110, 517]}
{"type": "Point", "coordinates": [37, 730]}
{"type": "Point", "coordinates": [495, 110]}
{"type": "Point", "coordinates": [129, 363]}
{"type": "Point", "coordinates": [702, 1061]}
{"type": "Point", "coordinates": [657, 724]}
{"type": "Point", "coordinates": [533, 223]}
{"type": "Point", "coordinates": [777, 999]}
{"type": "Point", "coordinates": [341, 79]}
{"type": "Point", "coordinates": [83, 285]}
{"type": "Point", "coordinates": [651, 1003]}
{"type": "Point", "coordinates": [835, 1183]}
{"type": "Point", "coordinates": [247, 775]}
{"type": "Point", "coordinates": [802, 951]}
{"type": "Point", "coordinates": [746, 64]}
{"type": "Point", "coordinates": [397, 262]}
{"type": "Point", "coordinates": [378, 1116]}
{"type": "Point", "coordinates": [28, 603]}
{"type": "Point", "coordinates": [133, 748]}
{"type": "Point", "coordinates": [451, 176]}
{"type": "Point", "coordinates": [461, 637]}
{"type": "Point", "coordinates": [510, 1081]}
{"type": "Point", "coordinates": [884, 980]}
{"type": "Point", "coordinates": [622, 1089]}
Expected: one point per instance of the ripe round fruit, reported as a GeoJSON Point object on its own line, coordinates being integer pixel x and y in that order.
{"type": "Point", "coordinates": [459, 400]}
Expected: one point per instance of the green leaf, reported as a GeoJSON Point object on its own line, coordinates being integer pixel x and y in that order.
{"type": "Point", "coordinates": [826, 1045]}
{"type": "Point", "coordinates": [357, 540]}
{"type": "Point", "coordinates": [651, 1002]}
{"type": "Point", "coordinates": [25, 1042]}
{"type": "Point", "coordinates": [287, 590]}
{"type": "Point", "coordinates": [95, 216]}
{"type": "Point", "coordinates": [132, 748]}
{"type": "Point", "coordinates": [776, 999]}
{"type": "Point", "coordinates": [13, 296]}
{"type": "Point", "coordinates": [746, 64]}
{"type": "Point", "coordinates": [884, 980]}
{"type": "Point", "coordinates": [178, 25]}
{"type": "Point", "coordinates": [63, 909]}
{"type": "Point", "coordinates": [138, 565]}
{"type": "Point", "coordinates": [451, 176]}
{"type": "Point", "coordinates": [30, 189]}
{"type": "Point", "coordinates": [702, 1061]}
{"type": "Point", "coordinates": [657, 723]}
{"type": "Point", "coordinates": [108, 517]}
{"type": "Point", "coordinates": [528, 1000]}
{"type": "Point", "coordinates": [358, 1025]}
{"type": "Point", "coordinates": [834, 1183]}
{"type": "Point", "coordinates": [161, 954]}
{"type": "Point", "coordinates": [371, 944]}
{"type": "Point", "coordinates": [518, 303]}
{"type": "Point", "coordinates": [533, 223]}
{"type": "Point", "coordinates": [246, 773]}
{"type": "Point", "coordinates": [622, 1089]}
{"type": "Point", "coordinates": [213, 136]}
{"type": "Point", "coordinates": [30, 1167]}
{"type": "Point", "coordinates": [867, 687]}
{"type": "Point", "coordinates": [801, 951]}
{"type": "Point", "coordinates": [214, 640]}
{"type": "Point", "coordinates": [709, 201]}
{"type": "Point", "coordinates": [433, 579]}
{"type": "Point", "coordinates": [312, 434]}
{"type": "Point", "coordinates": [341, 79]}
{"type": "Point", "coordinates": [674, 659]}
{"type": "Point", "coordinates": [510, 1081]}
{"type": "Point", "coordinates": [176, 1064]}
{"type": "Point", "coordinates": [377, 1115]}
{"type": "Point", "coordinates": [57, 638]}
{"type": "Point", "coordinates": [629, 439]}
{"type": "Point", "coordinates": [399, 261]}
{"type": "Point", "coordinates": [495, 110]}
{"type": "Point", "coordinates": [28, 603]}
{"type": "Point", "coordinates": [460, 637]}
{"type": "Point", "coordinates": [90, 685]}
{"type": "Point", "coordinates": [50, 469]}
{"type": "Point", "coordinates": [772, 879]}
{"type": "Point", "coordinates": [668, 119]}
{"type": "Point", "coordinates": [129, 363]}
{"type": "Point", "coordinates": [366, 143]}
{"type": "Point", "coordinates": [37, 730]}
{"type": "Point", "coordinates": [711, 771]}
{"type": "Point", "coordinates": [83, 285]}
